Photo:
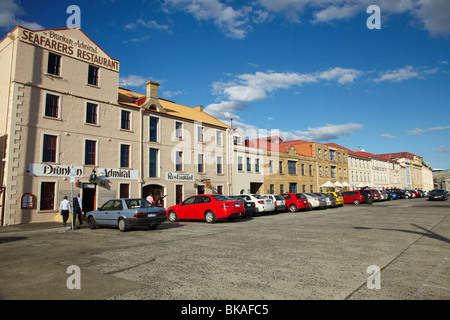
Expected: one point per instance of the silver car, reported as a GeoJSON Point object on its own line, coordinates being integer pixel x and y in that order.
{"type": "Point", "coordinates": [262, 204]}
{"type": "Point", "coordinates": [126, 213]}
{"type": "Point", "coordinates": [316, 201]}
{"type": "Point", "coordinates": [278, 200]}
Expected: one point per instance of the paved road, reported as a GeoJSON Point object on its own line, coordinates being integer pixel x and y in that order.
{"type": "Point", "coordinates": [319, 254]}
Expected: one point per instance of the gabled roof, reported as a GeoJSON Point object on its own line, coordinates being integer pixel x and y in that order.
{"type": "Point", "coordinates": [134, 99]}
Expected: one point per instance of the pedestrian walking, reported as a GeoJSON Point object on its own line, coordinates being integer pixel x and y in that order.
{"type": "Point", "coordinates": [77, 209]}
{"type": "Point", "coordinates": [150, 198]}
{"type": "Point", "coordinates": [65, 208]}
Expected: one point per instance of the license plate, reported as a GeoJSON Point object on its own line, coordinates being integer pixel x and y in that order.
{"type": "Point", "coordinates": [151, 215]}
{"type": "Point", "coordinates": [237, 205]}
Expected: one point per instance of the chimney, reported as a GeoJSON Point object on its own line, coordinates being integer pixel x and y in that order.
{"type": "Point", "coordinates": [199, 108]}
{"type": "Point", "coordinates": [152, 100]}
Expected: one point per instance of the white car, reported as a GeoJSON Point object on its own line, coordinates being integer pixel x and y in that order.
{"type": "Point", "coordinates": [278, 200]}
{"type": "Point", "coordinates": [262, 204]}
{"type": "Point", "coordinates": [316, 201]}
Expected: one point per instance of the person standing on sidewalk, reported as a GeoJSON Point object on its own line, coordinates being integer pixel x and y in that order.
{"type": "Point", "coordinates": [77, 209]}
{"type": "Point", "coordinates": [65, 208]}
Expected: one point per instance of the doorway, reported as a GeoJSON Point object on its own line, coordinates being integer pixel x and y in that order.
{"type": "Point", "coordinates": [89, 197]}
{"type": "Point", "coordinates": [156, 191]}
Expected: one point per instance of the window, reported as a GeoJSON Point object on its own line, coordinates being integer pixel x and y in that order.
{"type": "Point", "coordinates": [240, 164]}
{"type": "Point", "coordinates": [325, 154]}
{"type": "Point", "coordinates": [281, 188]}
{"type": "Point", "coordinates": [93, 76]}
{"type": "Point", "coordinates": [292, 188]}
{"type": "Point", "coordinates": [91, 113]}
{"type": "Point", "coordinates": [332, 155]}
{"type": "Point", "coordinates": [124, 156]}
{"type": "Point", "coordinates": [333, 171]}
{"type": "Point", "coordinates": [219, 138]}
{"type": "Point", "coordinates": [153, 163]}
{"type": "Point", "coordinates": [49, 148]}
{"type": "Point", "coordinates": [154, 124]}
{"type": "Point", "coordinates": [51, 105]}
{"type": "Point", "coordinates": [125, 120]}
{"type": "Point", "coordinates": [90, 152]}
{"type": "Point", "coordinates": [310, 170]}
{"type": "Point", "coordinates": [54, 64]}
{"type": "Point", "coordinates": [281, 167]}
{"type": "Point", "coordinates": [257, 165]}
{"type": "Point", "coordinates": [47, 201]}
{"type": "Point", "coordinates": [292, 167]}
{"type": "Point", "coordinates": [219, 189]}
{"type": "Point", "coordinates": [237, 141]}
{"type": "Point", "coordinates": [200, 132]}
{"type": "Point", "coordinates": [200, 165]}
{"type": "Point", "coordinates": [124, 190]}
{"type": "Point", "coordinates": [178, 160]}
{"type": "Point", "coordinates": [219, 165]}
{"type": "Point", "coordinates": [178, 130]}
{"type": "Point", "coordinates": [303, 170]}
{"type": "Point", "coordinates": [27, 201]}
{"type": "Point", "coordinates": [249, 164]}
{"type": "Point", "coordinates": [271, 189]}
{"type": "Point", "coordinates": [270, 166]}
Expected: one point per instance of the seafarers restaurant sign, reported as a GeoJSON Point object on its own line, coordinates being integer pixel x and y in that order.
{"type": "Point", "coordinates": [61, 43]}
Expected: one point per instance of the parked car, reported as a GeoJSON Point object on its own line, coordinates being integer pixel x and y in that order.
{"type": "Point", "coordinates": [295, 201]}
{"type": "Point", "coordinates": [332, 199]}
{"type": "Point", "coordinates": [354, 196]}
{"type": "Point", "coordinates": [376, 195]}
{"type": "Point", "coordinates": [338, 196]}
{"type": "Point", "coordinates": [438, 194]}
{"type": "Point", "coordinates": [278, 201]}
{"type": "Point", "coordinates": [250, 207]}
{"type": "Point", "coordinates": [126, 213]}
{"type": "Point", "coordinates": [316, 201]}
{"type": "Point", "coordinates": [209, 207]}
{"type": "Point", "coordinates": [262, 204]}
{"type": "Point", "coordinates": [324, 197]}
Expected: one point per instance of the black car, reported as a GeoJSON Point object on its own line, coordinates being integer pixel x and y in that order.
{"type": "Point", "coordinates": [250, 207]}
{"type": "Point", "coordinates": [438, 194]}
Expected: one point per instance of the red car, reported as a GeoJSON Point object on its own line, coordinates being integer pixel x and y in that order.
{"type": "Point", "coordinates": [355, 197]}
{"type": "Point", "coordinates": [209, 207]}
{"type": "Point", "coordinates": [295, 201]}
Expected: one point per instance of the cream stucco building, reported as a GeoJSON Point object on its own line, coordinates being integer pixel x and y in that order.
{"type": "Point", "coordinates": [65, 125]}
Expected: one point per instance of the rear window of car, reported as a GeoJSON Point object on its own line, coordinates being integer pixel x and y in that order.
{"type": "Point", "coordinates": [138, 203]}
{"type": "Point", "coordinates": [279, 197]}
{"type": "Point", "coordinates": [222, 198]}
{"type": "Point", "coordinates": [257, 196]}
{"type": "Point", "coordinates": [300, 196]}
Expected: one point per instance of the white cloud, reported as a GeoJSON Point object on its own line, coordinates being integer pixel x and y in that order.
{"type": "Point", "coordinates": [405, 73]}
{"type": "Point", "coordinates": [133, 81]}
{"type": "Point", "coordinates": [331, 131]}
{"type": "Point", "coordinates": [388, 136]}
{"type": "Point", "coordinates": [9, 12]}
{"type": "Point", "coordinates": [234, 22]}
{"type": "Point", "coordinates": [151, 24]}
{"type": "Point", "coordinates": [442, 149]}
{"type": "Point", "coordinates": [419, 131]}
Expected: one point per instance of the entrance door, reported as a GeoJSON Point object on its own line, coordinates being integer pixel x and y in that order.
{"type": "Point", "coordinates": [156, 191]}
{"type": "Point", "coordinates": [178, 193]}
{"type": "Point", "coordinates": [89, 196]}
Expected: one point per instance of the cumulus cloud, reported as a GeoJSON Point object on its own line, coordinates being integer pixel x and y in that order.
{"type": "Point", "coordinates": [331, 131]}
{"type": "Point", "coordinates": [133, 81]}
{"type": "Point", "coordinates": [9, 16]}
{"type": "Point", "coordinates": [236, 20]}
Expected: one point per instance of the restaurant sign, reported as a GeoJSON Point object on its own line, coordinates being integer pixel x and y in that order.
{"type": "Point", "coordinates": [181, 177]}
{"type": "Point", "coordinates": [59, 42]}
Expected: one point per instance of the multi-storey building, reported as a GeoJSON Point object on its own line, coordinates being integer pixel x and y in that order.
{"type": "Point", "coordinates": [67, 129]}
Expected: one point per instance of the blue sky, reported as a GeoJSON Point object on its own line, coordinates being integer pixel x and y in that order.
{"type": "Point", "coordinates": [310, 69]}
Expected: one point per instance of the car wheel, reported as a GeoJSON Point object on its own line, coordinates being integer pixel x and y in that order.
{"type": "Point", "coordinates": [123, 225]}
{"type": "Point", "coordinates": [210, 217]}
{"type": "Point", "coordinates": [293, 208]}
{"type": "Point", "coordinates": [173, 216]}
{"type": "Point", "coordinates": [92, 223]}
{"type": "Point", "coordinates": [356, 202]}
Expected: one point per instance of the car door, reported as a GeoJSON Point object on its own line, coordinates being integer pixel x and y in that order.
{"type": "Point", "coordinates": [185, 209]}
{"type": "Point", "coordinates": [202, 205]}
{"type": "Point", "coordinates": [101, 214]}
{"type": "Point", "coordinates": [112, 215]}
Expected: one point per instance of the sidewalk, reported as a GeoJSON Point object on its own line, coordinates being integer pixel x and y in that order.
{"type": "Point", "coordinates": [37, 226]}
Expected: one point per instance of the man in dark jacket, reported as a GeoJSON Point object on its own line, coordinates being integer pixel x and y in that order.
{"type": "Point", "coordinates": [77, 209]}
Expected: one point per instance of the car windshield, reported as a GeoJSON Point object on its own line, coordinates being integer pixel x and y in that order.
{"type": "Point", "coordinates": [222, 198]}
{"type": "Point", "coordinates": [436, 191]}
{"type": "Point", "coordinates": [278, 197]}
{"type": "Point", "coordinates": [138, 203]}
